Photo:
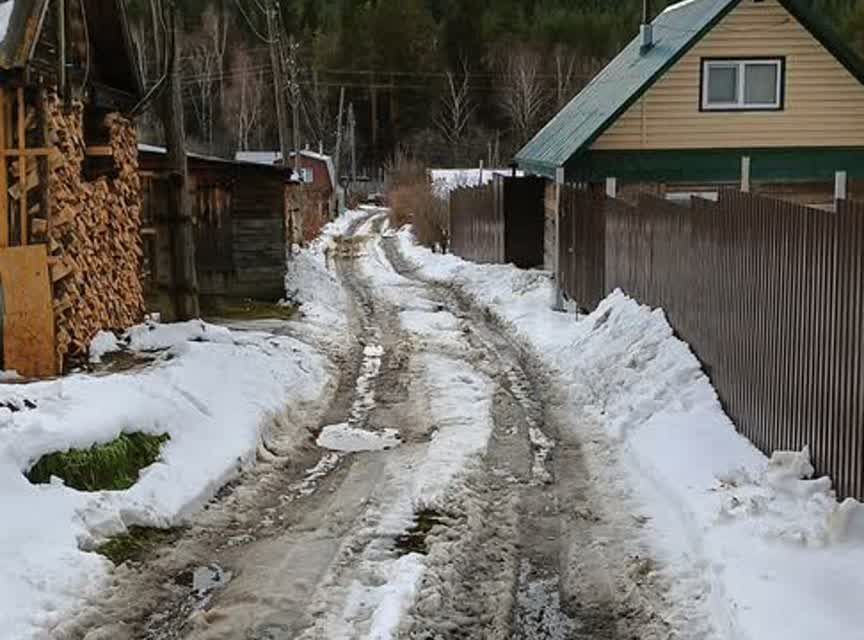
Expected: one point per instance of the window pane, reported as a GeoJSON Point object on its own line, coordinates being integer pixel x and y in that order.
{"type": "Point", "coordinates": [760, 86]}
{"type": "Point", "coordinates": [722, 84]}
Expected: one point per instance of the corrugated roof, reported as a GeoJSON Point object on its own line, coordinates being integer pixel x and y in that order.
{"type": "Point", "coordinates": [620, 84]}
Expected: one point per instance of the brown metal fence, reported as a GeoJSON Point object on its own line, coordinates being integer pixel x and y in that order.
{"type": "Point", "coordinates": [476, 230]}
{"type": "Point", "coordinates": [500, 222]}
{"type": "Point", "coordinates": [767, 293]}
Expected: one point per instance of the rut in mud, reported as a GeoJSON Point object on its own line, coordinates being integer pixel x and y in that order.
{"type": "Point", "coordinates": [410, 541]}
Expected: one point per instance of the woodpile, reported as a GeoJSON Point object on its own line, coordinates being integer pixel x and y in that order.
{"type": "Point", "coordinates": [92, 231]}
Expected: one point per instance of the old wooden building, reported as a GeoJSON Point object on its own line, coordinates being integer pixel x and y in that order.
{"type": "Point", "coordinates": [240, 212]}
{"type": "Point", "coordinates": [69, 186]}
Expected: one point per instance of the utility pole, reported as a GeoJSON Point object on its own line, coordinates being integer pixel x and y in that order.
{"type": "Point", "coordinates": [337, 161]}
{"type": "Point", "coordinates": [352, 136]}
{"type": "Point", "coordinates": [275, 46]}
{"type": "Point", "coordinates": [184, 288]}
{"type": "Point", "coordinates": [293, 64]}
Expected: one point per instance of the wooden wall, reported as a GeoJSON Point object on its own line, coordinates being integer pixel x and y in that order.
{"type": "Point", "coordinates": [824, 102]}
{"type": "Point", "coordinates": [240, 229]}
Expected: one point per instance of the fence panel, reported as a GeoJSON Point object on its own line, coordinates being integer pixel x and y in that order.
{"type": "Point", "coordinates": [476, 231]}
{"type": "Point", "coordinates": [767, 293]}
{"type": "Point", "coordinates": [582, 246]}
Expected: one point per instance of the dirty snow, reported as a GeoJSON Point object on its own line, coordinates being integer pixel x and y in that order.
{"type": "Point", "coordinates": [768, 551]}
{"type": "Point", "coordinates": [213, 390]}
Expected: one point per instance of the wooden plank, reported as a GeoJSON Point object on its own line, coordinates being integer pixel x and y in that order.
{"type": "Point", "coordinates": [4, 196]}
{"type": "Point", "coordinates": [22, 139]}
{"type": "Point", "coordinates": [28, 334]}
{"type": "Point", "coordinates": [100, 150]}
{"type": "Point", "coordinates": [29, 153]}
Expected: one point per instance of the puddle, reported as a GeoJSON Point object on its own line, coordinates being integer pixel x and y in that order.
{"type": "Point", "coordinates": [414, 540]}
{"type": "Point", "coordinates": [203, 580]}
{"type": "Point", "coordinates": [342, 437]}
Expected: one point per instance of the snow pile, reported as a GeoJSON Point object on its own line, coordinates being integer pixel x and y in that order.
{"type": "Point", "coordinates": [766, 547]}
{"type": "Point", "coordinates": [211, 390]}
{"type": "Point", "coordinates": [341, 437]}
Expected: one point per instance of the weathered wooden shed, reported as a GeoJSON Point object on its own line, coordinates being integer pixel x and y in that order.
{"type": "Point", "coordinates": [69, 191]}
{"type": "Point", "coordinates": [240, 212]}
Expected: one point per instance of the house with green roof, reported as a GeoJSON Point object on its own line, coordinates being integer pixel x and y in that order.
{"type": "Point", "coordinates": [709, 87]}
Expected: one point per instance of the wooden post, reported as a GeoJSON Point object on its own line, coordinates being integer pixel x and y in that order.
{"type": "Point", "coordinates": [745, 174]}
{"type": "Point", "coordinates": [612, 187]}
{"type": "Point", "coordinates": [22, 164]}
{"type": "Point", "coordinates": [559, 185]}
{"type": "Point", "coordinates": [480, 184]}
{"type": "Point", "coordinates": [184, 287]}
{"type": "Point", "coordinates": [840, 185]}
{"type": "Point", "coordinates": [4, 185]}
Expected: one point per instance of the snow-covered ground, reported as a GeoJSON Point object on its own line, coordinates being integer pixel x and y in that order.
{"type": "Point", "coordinates": [446, 180]}
{"type": "Point", "coordinates": [216, 392]}
{"type": "Point", "coordinates": [768, 551]}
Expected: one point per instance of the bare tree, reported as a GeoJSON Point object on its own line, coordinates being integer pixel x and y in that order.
{"type": "Point", "coordinates": [205, 66]}
{"type": "Point", "coordinates": [245, 98]}
{"type": "Point", "coordinates": [524, 98]}
{"type": "Point", "coordinates": [566, 75]}
{"type": "Point", "coordinates": [456, 111]}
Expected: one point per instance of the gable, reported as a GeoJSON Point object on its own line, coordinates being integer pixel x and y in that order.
{"type": "Point", "coordinates": [619, 84]}
{"type": "Point", "coordinates": [824, 101]}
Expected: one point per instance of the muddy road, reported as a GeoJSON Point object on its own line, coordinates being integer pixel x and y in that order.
{"type": "Point", "coordinates": [440, 492]}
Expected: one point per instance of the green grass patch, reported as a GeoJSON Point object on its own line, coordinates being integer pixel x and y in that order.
{"type": "Point", "coordinates": [111, 466]}
{"type": "Point", "coordinates": [136, 544]}
{"type": "Point", "coordinates": [414, 539]}
{"type": "Point", "coordinates": [248, 310]}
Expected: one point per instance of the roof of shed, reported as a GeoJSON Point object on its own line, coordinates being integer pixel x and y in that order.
{"type": "Point", "coordinates": [624, 80]}
{"type": "Point", "coordinates": [21, 23]}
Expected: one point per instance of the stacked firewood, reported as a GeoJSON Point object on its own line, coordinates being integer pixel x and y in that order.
{"type": "Point", "coordinates": [93, 231]}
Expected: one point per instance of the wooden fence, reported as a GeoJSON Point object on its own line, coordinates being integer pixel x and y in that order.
{"type": "Point", "coordinates": [500, 222]}
{"type": "Point", "coordinates": [767, 293]}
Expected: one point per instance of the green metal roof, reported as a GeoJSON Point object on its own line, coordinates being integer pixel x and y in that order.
{"type": "Point", "coordinates": [624, 80]}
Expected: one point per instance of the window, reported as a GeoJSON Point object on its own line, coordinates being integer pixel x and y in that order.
{"type": "Point", "coordinates": [742, 85]}
{"type": "Point", "coordinates": [307, 175]}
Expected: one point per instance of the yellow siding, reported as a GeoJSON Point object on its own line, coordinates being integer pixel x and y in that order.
{"type": "Point", "coordinates": [824, 102]}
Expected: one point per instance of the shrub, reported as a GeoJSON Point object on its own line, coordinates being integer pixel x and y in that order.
{"type": "Point", "coordinates": [412, 201]}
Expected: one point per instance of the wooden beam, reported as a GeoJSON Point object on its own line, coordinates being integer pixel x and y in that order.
{"type": "Point", "coordinates": [28, 153]}
{"type": "Point", "coordinates": [4, 188]}
{"type": "Point", "coordinates": [102, 150]}
{"type": "Point", "coordinates": [22, 138]}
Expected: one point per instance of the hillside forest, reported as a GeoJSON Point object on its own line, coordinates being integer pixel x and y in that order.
{"type": "Point", "coordinates": [451, 81]}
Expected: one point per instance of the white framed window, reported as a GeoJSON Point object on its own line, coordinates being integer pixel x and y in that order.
{"type": "Point", "coordinates": [307, 175]}
{"type": "Point", "coordinates": [751, 84]}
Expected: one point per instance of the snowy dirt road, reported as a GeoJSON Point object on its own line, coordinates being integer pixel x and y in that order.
{"type": "Point", "coordinates": [441, 494]}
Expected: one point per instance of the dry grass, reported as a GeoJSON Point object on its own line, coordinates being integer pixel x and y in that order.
{"type": "Point", "coordinates": [412, 202]}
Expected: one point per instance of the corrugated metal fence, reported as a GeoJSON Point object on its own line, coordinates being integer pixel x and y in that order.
{"type": "Point", "coordinates": [500, 222]}
{"type": "Point", "coordinates": [767, 293]}
{"type": "Point", "coordinates": [476, 232]}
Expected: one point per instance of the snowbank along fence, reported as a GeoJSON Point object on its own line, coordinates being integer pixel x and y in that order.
{"type": "Point", "coordinates": [769, 294]}
{"type": "Point", "coordinates": [501, 222]}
